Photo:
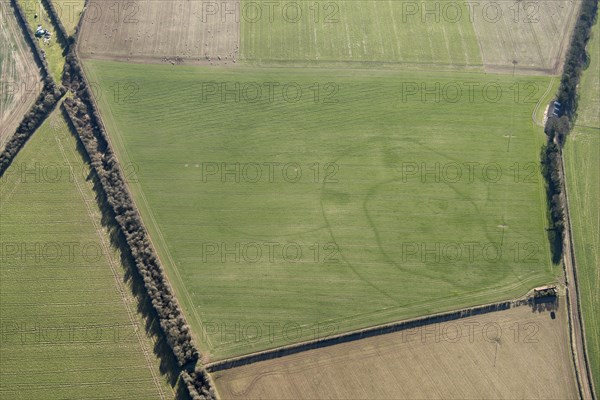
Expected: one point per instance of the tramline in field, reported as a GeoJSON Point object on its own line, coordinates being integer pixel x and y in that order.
{"type": "Point", "coordinates": [67, 316]}
{"type": "Point", "coordinates": [279, 220]}
{"type": "Point", "coordinates": [316, 168]}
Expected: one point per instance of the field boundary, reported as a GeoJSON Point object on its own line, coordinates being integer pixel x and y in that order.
{"type": "Point", "coordinates": [565, 44]}
{"type": "Point", "coordinates": [556, 129]}
{"type": "Point", "coordinates": [183, 365]}
{"type": "Point", "coordinates": [96, 143]}
{"type": "Point", "coordinates": [34, 46]}
{"type": "Point", "coordinates": [29, 67]}
{"type": "Point", "coordinates": [377, 330]}
{"type": "Point", "coordinates": [113, 268]}
{"type": "Point", "coordinates": [575, 324]}
{"type": "Point", "coordinates": [183, 350]}
{"type": "Point", "coordinates": [42, 107]}
{"type": "Point", "coordinates": [58, 25]}
{"type": "Point", "coordinates": [104, 162]}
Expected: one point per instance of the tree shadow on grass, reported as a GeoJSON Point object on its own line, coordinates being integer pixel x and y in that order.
{"type": "Point", "coordinates": [168, 365]}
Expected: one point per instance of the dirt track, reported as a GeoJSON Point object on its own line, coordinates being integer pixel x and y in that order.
{"type": "Point", "coordinates": [578, 344]}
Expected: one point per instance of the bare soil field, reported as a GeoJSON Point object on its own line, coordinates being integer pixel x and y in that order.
{"type": "Point", "coordinates": [19, 76]}
{"type": "Point", "coordinates": [535, 35]}
{"type": "Point", "coordinates": [493, 33]}
{"type": "Point", "coordinates": [517, 353]}
{"type": "Point", "coordinates": [159, 30]}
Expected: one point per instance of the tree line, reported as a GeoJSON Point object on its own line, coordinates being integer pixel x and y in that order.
{"type": "Point", "coordinates": [61, 32]}
{"type": "Point", "coordinates": [558, 127]}
{"type": "Point", "coordinates": [84, 119]}
{"type": "Point", "coordinates": [44, 104]}
{"type": "Point", "coordinates": [198, 384]}
{"type": "Point", "coordinates": [577, 58]}
{"type": "Point", "coordinates": [38, 54]}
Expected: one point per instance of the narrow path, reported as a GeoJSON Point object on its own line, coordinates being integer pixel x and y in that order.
{"type": "Point", "coordinates": [539, 103]}
{"type": "Point", "coordinates": [576, 328]}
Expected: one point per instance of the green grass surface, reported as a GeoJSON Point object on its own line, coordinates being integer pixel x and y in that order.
{"type": "Point", "coordinates": [378, 32]}
{"type": "Point", "coordinates": [69, 13]}
{"type": "Point", "coordinates": [363, 209]}
{"type": "Point", "coordinates": [582, 163]}
{"type": "Point", "coordinates": [66, 332]}
{"type": "Point", "coordinates": [53, 49]}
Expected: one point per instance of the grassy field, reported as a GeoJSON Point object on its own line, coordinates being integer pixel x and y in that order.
{"type": "Point", "coordinates": [344, 232]}
{"type": "Point", "coordinates": [512, 354]}
{"type": "Point", "coordinates": [366, 31]}
{"type": "Point", "coordinates": [582, 163]}
{"type": "Point", "coordinates": [69, 13]}
{"type": "Point", "coordinates": [53, 49]}
{"type": "Point", "coordinates": [416, 35]}
{"type": "Point", "coordinates": [444, 35]}
{"type": "Point", "coordinates": [69, 325]}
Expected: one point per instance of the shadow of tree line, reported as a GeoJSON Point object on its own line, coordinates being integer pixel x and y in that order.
{"type": "Point", "coordinates": [544, 304]}
{"type": "Point", "coordinates": [168, 365]}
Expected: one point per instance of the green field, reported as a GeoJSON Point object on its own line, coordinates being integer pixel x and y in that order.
{"type": "Point", "coordinates": [582, 163]}
{"type": "Point", "coordinates": [69, 12]}
{"type": "Point", "coordinates": [69, 324]}
{"type": "Point", "coordinates": [53, 49]}
{"type": "Point", "coordinates": [378, 32]}
{"type": "Point", "coordinates": [339, 234]}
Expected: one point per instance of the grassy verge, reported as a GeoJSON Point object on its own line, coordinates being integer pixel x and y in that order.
{"type": "Point", "coordinates": [53, 49]}
{"type": "Point", "coordinates": [69, 13]}
{"type": "Point", "coordinates": [582, 163]}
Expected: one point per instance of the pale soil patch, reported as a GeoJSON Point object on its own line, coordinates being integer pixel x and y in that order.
{"type": "Point", "coordinates": [19, 76]}
{"type": "Point", "coordinates": [534, 34]}
{"type": "Point", "coordinates": [515, 353]}
{"type": "Point", "coordinates": [160, 31]}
